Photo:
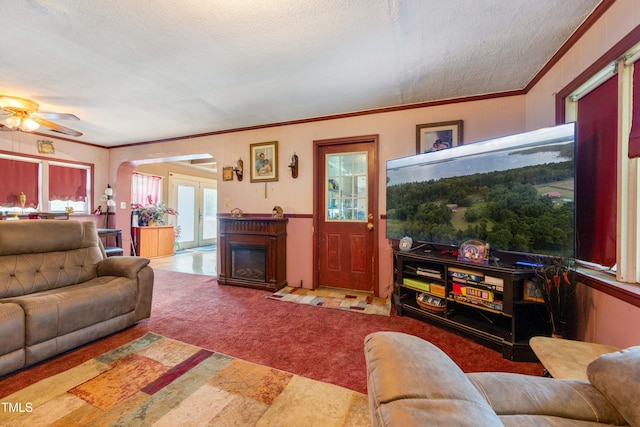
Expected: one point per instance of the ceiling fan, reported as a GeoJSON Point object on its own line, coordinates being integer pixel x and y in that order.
{"type": "Point", "coordinates": [22, 114]}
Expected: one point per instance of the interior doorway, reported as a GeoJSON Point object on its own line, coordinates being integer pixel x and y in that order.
{"type": "Point", "coordinates": [346, 213]}
{"type": "Point", "coordinates": [195, 200]}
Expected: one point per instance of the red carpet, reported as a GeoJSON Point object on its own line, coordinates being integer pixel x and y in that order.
{"type": "Point", "coordinates": [325, 345]}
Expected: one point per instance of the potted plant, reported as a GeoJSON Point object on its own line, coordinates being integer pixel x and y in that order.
{"type": "Point", "coordinates": [556, 283]}
{"type": "Point", "coordinates": [153, 213]}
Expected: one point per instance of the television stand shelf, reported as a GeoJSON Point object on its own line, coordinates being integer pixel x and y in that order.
{"type": "Point", "coordinates": [484, 302]}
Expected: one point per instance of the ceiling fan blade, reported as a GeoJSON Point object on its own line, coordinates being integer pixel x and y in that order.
{"type": "Point", "coordinates": [56, 127]}
{"type": "Point", "coordinates": [14, 103]}
{"type": "Point", "coordinates": [55, 116]}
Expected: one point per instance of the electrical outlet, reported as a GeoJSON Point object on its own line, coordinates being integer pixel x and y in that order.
{"type": "Point", "coordinates": [123, 205]}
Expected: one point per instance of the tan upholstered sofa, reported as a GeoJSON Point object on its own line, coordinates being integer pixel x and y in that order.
{"type": "Point", "coordinates": [58, 290]}
{"type": "Point", "coordinates": [411, 382]}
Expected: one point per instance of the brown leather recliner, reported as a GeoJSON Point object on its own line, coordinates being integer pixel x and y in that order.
{"type": "Point", "coordinates": [411, 382]}
{"type": "Point", "coordinates": [58, 290]}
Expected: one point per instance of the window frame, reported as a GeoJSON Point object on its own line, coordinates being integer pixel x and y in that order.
{"type": "Point", "coordinates": [145, 201]}
{"type": "Point", "coordinates": [84, 166]}
{"type": "Point", "coordinates": [43, 176]}
{"type": "Point", "coordinates": [627, 269]}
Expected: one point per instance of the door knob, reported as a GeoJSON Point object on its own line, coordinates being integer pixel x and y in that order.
{"type": "Point", "coordinates": [370, 226]}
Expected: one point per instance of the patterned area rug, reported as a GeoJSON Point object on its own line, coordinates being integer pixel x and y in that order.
{"type": "Point", "coordinates": [341, 299]}
{"type": "Point", "coordinates": [162, 382]}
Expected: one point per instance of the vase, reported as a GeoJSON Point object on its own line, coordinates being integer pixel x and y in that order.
{"type": "Point", "coordinates": [153, 223]}
{"type": "Point", "coordinates": [23, 200]}
{"type": "Point", "coordinates": [143, 221]}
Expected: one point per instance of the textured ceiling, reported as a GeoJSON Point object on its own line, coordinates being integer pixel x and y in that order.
{"type": "Point", "coordinates": [136, 71]}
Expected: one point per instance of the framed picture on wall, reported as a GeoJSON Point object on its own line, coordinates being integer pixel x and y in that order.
{"type": "Point", "coordinates": [46, 147]}
{"type": "Point", "coordinates": [438, 136]}
{"type": "Point", "coordinates": [264, 161]}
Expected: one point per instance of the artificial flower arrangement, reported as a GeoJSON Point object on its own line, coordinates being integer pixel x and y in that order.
{"type": "Point", "coordinates": [556, 283]}
{"type": "Point", "coordinates": [152, 213]}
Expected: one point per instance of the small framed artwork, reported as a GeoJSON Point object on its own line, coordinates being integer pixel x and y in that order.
{"type": "Point", "coordinates": [46, 147]}
{"type": "Point", "coordinates": [532, 292]}
{"type": "Point", "coordinates": [438, 136]}
{"type": "Point", "coordinates": [227, 173]}
{"type": "Point", "coordinates": [264, 161]}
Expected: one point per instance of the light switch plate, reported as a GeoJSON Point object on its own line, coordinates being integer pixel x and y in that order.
{"type": "Point", "coordinates": [123, 205]}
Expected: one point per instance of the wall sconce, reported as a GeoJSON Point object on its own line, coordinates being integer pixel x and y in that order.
{"type": "Point", "coordinates": [108, 194]}
{"type": "Point", "coordinates": [238, 169]}
{"type": "Point", "coordinates": [294, 165]}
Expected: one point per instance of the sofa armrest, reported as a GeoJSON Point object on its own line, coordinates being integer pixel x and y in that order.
{"type": "Point", "coordinates": [516, 394]}
{"type": "Point", "coordinates": [138, 270]}
{"type": "Point", "coordinates": [122, 266]}
{"type": "Point", "coordinates": [405, 373]}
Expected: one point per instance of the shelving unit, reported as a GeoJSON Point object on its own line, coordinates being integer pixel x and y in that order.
{"type": "Point", "coordinates": [483, 302]}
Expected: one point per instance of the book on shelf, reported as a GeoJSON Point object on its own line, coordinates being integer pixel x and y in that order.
{"type": "Point", "coordinates": [472, 292]}
{"type": "Point", "coordinates": [416, 284]}
{"type": "Point", "coordinates": [493, 305]}
{"type": "Point", "coordinates": [478, 284]}
{"type": "Point", "coordinates": [466, 274]}
{"type": "Point", "coordinates": [427, 272]}
{"type": "Point", "coordinates": [495, 281]}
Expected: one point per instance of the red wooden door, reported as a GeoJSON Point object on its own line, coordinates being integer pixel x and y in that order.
{"type": "Point", "coordinates": [346, 213]}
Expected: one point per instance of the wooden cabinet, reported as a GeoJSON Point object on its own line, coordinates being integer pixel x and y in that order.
{"type": "Point", "coordinates": [151, 242]}
{"type": "Point", "coordinates": [484, 302]}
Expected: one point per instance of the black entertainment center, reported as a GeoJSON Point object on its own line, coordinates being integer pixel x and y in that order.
{"type": "Point", "coordinates": [513, 197]}
{"type": "Point", "coordinates": [497, 315]}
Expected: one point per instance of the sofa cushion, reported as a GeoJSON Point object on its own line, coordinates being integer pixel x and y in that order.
{"type": "Point", "coordinates": [617, 376]}
{"type": "Point", "coordinates": [32, 237]}
{"type": "Point", "coordinates": [543, 421]}
{"type": "Point", "coordinates": [41, 255]}
{"type": "Point", "coordinates": [406, 375]}
{"type": "Point", "coordinates": [12, 354]}
{"type": "Point", "coordinates": [436, 412]}
{"type": "Point", "coordinates": [511, 394]}
{"type": "Point", "coordinates": [61, 311]}
{"type": "Point", "coordinates": [27, 274]}
{"type": "Point", "coordinates": [11, 328]}
{"type": "Point", "coordinates": [402, 366]}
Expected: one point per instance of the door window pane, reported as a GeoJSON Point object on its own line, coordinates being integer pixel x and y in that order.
{"type": "Point", "coordinates": [210, 213]}
{"type": "Point", "coordinates": [186, 210]}
{"type": "Point", "coordinates": [346, 189]}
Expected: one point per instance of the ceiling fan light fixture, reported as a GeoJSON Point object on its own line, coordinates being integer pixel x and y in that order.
{"type": "Point", "coordinates": [29, 125]}
{"type": "Point", "coordinates": [23, 115]}
{"type": "Point", "coordinates": [13, 122]}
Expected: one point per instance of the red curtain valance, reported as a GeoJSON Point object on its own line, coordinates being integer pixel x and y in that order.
{"type": "Point", "coordinates": [18, 177]}
{"type": "Point", "coordinates": [67, 183]}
